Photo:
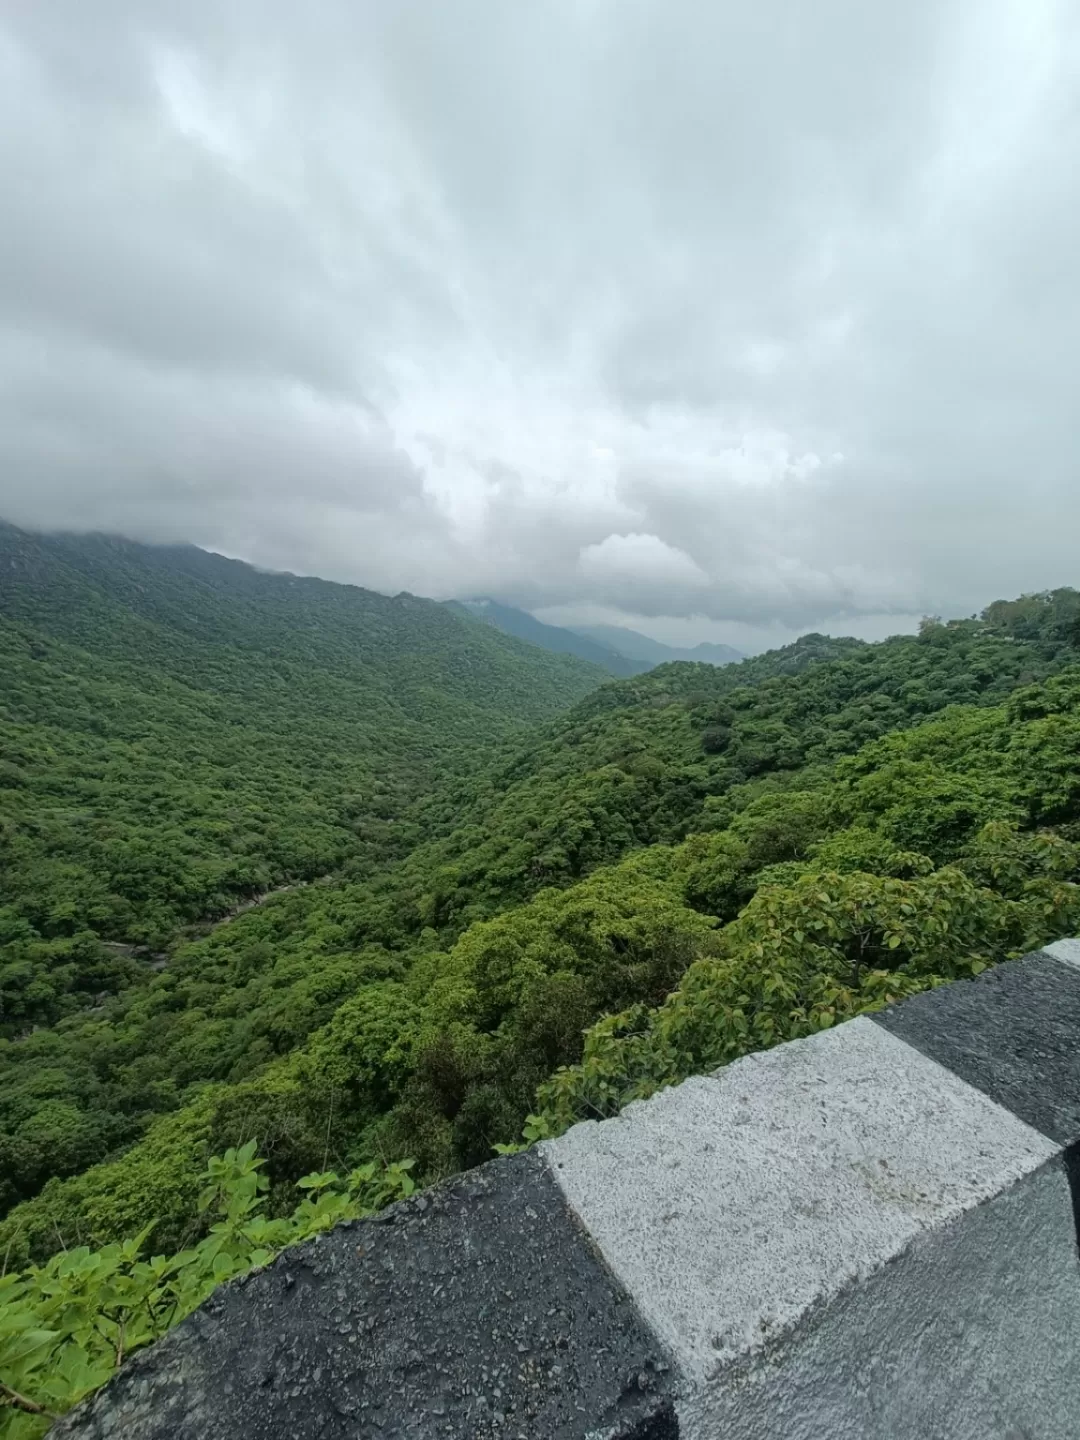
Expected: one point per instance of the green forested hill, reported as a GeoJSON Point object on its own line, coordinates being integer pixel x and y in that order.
{"type": "Point", "coordinates": [232, 1037]}
{"type": "Point", "coordinates": [515, 927]}
{"type": "Point", "coordinates": [179, 732]}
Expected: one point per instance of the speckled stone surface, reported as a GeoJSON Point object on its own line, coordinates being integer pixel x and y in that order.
{"type": "Point", "coordinates": [1067, 950]}
{"type": "Point", "coordinates": [733, 1206]}
{"type": "Point", "coordinates": [478, 1310]}
{"type": "Point", "coordinates": [970, 1333]}
{"type": "Point", "coordinates": [1013, 1033]}
{"type": "Point", "coordinates": [864, 1235]}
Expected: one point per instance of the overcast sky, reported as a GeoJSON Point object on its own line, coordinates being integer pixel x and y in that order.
{"type": "Point", "coordinates": [757, 311]}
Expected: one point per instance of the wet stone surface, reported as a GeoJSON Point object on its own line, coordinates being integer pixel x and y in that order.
{"type": "Point", "coordinates": [478, 1309]}
{"type": "Point", "coordinates": [1013, 1033]}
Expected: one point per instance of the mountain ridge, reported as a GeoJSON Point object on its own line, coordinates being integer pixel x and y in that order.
{"type": "Point", "coordinates": [637, 646]}
{"type": "Point", "coordinates": [179, 732]}
{"type": "Point", "coordinates": [530, 925]}
{"type": "Point", "coordinates": [553, 850]}
{"type": "Point", "coordinates": [620, 651]}
{"type": "Point", "coordinates": [556, 638]}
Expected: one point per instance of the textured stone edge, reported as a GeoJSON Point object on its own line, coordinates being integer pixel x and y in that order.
{"type": "Point", "coordinates": [820, 1159]}
{"type": "Point", "coordinates": [483, 1295]}
{"type": "Point", "coordinates": [1010, 1033]}
{"type": "Point", "coordinates": [890, 1355]}
{"type": "Point", "coordinates": [1045, 989]}
{"type": "Point", "coordinates": [648, 1417]}
{"type": "Point", "coordinates": [1066, 950]}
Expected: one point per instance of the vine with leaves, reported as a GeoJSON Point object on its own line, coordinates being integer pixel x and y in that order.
{"type": "Point", "coordinates": [68, 1325]}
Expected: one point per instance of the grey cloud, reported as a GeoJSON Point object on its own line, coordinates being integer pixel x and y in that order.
{"type": "Point", "coordinates": [758, 313]}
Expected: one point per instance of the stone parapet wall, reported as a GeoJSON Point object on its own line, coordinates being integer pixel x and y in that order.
{"type": "Point", "coordinates": [870, 1234]}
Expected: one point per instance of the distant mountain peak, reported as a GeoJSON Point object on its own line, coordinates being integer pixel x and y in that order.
{"type": "Point", "coordinates": [549, 637]}
{"type": "Point", "coordinates": [645, 649]}
{"type": "Point", "coordinates": [620, 651]}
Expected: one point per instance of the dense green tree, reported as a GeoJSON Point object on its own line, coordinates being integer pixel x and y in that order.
{"type": "Point", "coordinates": [180, 733]}
{"type": "Point", "coordinates": [470, 913]}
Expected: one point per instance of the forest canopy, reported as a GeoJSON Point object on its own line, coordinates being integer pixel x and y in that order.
{"type": "Point", "coordinates": [355, 882]}
{"type": "Point", "coordinates": [180, 733]}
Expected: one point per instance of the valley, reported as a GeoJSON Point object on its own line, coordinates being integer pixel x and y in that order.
{"type": "Point", "coordinates": [365, 887]}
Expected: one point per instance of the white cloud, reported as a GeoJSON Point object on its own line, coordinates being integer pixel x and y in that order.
{"type": "Point", "coordinates": [634, 569]}
{"type": "Point", "coordinates": [758, 313]}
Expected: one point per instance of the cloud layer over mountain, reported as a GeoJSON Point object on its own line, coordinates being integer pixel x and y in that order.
{"type": "Point", "coordinates": [762, 312]}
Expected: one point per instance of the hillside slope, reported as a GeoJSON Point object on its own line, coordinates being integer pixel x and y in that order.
{"type": "Point", "coordinates": [646, 651]}
{"type": "Point", "coordinates": [180, 732]}
{"type": "Point", "coordinates": [524, 626]}
{"type": "Point", "coordinates": [417, 1010]}
{"type": "Point", "coordinates": [620, 651]}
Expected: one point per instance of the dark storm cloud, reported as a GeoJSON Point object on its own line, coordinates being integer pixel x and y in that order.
{"type": "Point", "coordinates": [763, 313]}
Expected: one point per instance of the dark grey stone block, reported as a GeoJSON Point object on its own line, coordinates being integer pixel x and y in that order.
{"type": "Point", "coordinates": [479, 1309]}
{"type": "Point", "coordinates": [1013, 1033]}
